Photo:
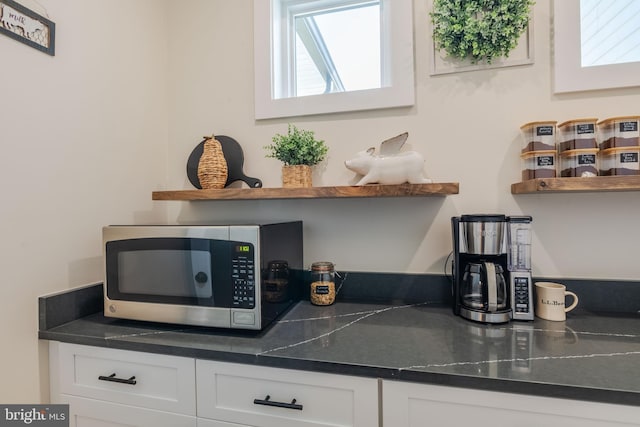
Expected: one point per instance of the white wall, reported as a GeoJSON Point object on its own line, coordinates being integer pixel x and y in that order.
{"type": "Point", "coordinates": [466, 125]}
{"type": "Point", "coordinates": [83, 138]}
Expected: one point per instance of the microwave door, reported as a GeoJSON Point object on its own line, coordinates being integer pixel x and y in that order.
{"type": "Point", "coordinates": [176, 271]}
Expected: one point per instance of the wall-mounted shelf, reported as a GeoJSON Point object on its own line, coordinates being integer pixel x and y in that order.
{"type": "Point", "coordinates": [567, 185]}
{"type": "Point", "coordinates": [402, 190]}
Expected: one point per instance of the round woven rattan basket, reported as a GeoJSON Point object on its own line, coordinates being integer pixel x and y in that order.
{"type": "Point", "coordinates": [296, 176]}
{"type": "Point", "coordinates": [212, 167]}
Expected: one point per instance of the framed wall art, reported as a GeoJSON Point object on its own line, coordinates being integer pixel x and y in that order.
{"type": "Point", "coordinates": [26, 26]}
{"type": "Point", "coordinates": [523, 54]}
{"type": "Point", "coordinates": [490, 37]}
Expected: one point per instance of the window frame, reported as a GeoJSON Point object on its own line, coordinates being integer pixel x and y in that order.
{"type": "Point", "coordinates": [397, 64]}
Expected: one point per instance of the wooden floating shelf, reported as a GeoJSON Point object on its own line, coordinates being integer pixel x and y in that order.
{"type": "Point", "coordinates": [577, 185]}
{"type": "Point", "coordinates": [343, 192]}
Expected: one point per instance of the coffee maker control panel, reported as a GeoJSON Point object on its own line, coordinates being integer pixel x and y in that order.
{"type": "Point", "coordinates": [521, 296]}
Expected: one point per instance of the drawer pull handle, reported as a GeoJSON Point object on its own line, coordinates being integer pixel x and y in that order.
{"type": "Point", "coordinates": [268, 402]}
{"type": "Point", "coordinates": [112, 378]}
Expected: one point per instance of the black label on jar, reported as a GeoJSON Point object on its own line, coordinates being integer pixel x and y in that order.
{"type": "Point", "coordinates": [629, 126]}
{"type": "Point", "coordinates": [585, 128]}
{"type": "Point", "coordinates": [544, 130]}
{"type": "Point", "coordinates": [545, 161]}
{"type": "Point", "coordinates": [586, 159]}
{"type": "Point", "coordinates": [322, 290]}
{"type": "Point", "coordinates": [628, 157]}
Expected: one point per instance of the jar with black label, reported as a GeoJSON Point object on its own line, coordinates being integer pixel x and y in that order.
{"type": "Point", "coordinates": [323, 283]}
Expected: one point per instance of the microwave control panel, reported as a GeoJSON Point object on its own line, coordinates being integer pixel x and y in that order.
{"type": "Point", "coordinates": [243, 277]}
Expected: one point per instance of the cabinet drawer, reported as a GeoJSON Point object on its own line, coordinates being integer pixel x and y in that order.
{"type": "Point", "coordinates": [148, 380]}
{"type": "Point", "coordinates": [95, 413]}
{"type": "Point", "coordinates": [238, 394]}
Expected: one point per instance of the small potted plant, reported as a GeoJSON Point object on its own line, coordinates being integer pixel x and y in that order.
{"type": "Point", "coordinates": [298, 150]}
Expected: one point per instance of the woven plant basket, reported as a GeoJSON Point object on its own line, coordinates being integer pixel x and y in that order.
{"type": "Point", "coordinates": [212, 167]}
{"type": "Point", "coordinates": [296, 176]}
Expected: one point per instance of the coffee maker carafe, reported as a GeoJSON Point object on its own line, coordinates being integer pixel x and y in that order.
{"type": "Point", "coordinates": [484, 287]}
{"type": "Point", "coordinates": [484, 272]}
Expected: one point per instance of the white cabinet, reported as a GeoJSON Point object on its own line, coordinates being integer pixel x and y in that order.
{"type": "Point", "coordinates": [110, 388]}
{"type": "Point", "coordinates": [96, 413]}
{"type": "Point", "coordinates": [272, 397]}
{"type": "Point", "coordinates": [107, 387]}
{"type": "Point", "coordinates": [411, 405]}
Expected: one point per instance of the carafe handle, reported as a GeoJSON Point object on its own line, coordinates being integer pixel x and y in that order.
{"type": "Point", "coordinates": [492, 287]}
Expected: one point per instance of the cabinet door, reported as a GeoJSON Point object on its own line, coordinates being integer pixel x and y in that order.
{"type": "Point", "coordinates": [154, 381]}
{"type": "Point", "coordinates": [270, 397]}
{"type": "Point", "coordinates": [95, 413]}
{"type": "Point", "coordinates": [412, 405]}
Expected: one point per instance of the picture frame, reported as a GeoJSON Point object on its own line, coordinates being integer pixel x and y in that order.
{"type": "Point", "coordinates": [26, 26]}
{"type": "Point", "coordinates": [523, 54]}
{"type": "Point", "coordinates": [442, 64]}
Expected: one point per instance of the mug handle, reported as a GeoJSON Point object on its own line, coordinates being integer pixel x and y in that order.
{"type": "Point", "coordinates": [575, 301]}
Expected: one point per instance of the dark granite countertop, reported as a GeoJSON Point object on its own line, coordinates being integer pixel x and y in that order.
{"type": "Point", "coordinates": [589, 357]}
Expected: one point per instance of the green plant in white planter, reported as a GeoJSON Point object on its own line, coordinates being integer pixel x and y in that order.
{"type": "Point", "coordinates": [298, 150]}
{"type": "Point", "coordinates": [479, 30]}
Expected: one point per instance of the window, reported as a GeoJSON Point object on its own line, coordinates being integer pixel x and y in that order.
{"type": "Point", "coordinates": [336, 49]}
{"type": "Point", "coordinates": [322, 56]}
{"type": "Point", "coordinates": [609, 32]}
{"type": "Point", "coordinates": [597, 44]}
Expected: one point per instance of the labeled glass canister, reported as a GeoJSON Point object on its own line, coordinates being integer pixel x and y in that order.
{"type": "Point", "coordinates": [323, 283]}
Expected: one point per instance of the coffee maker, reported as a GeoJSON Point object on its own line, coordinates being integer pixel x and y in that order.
{"type": "Point", "coordinates": [492, 268]}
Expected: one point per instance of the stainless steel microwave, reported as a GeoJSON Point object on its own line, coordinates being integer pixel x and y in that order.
{"type": "Point", "coordinates": [203, 275]}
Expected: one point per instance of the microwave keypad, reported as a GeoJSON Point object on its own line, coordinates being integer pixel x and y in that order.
{"type": "Point", "coordinates": [243, 277]}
